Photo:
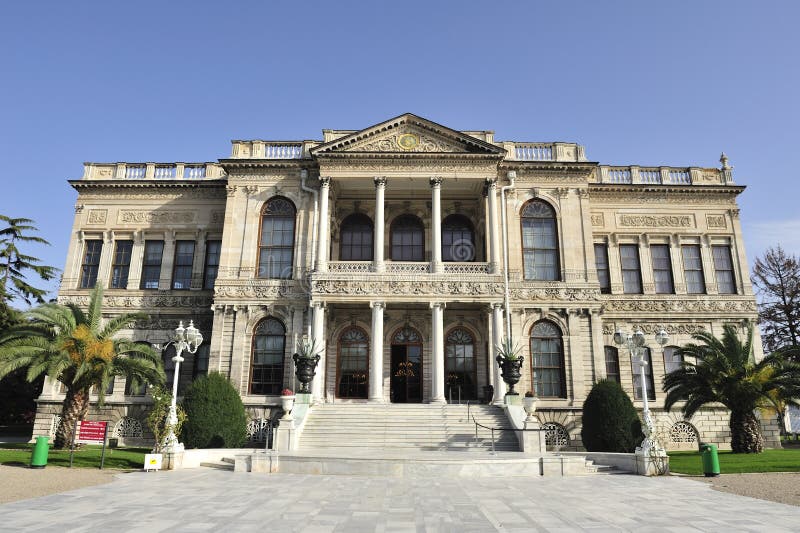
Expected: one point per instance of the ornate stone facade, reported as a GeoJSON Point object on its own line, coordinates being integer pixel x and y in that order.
{"type": "Point", "coordinates": [385, 245]}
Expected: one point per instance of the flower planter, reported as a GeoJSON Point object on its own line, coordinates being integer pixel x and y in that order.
{"type": "Point", "coordinates": [529, 404]}
{"type": "Point", "coordinates": [287, 402]}
{"type": "Point", "coordinates": [305, 370]}
{"type": "Point", "coordinates": [511, 372]}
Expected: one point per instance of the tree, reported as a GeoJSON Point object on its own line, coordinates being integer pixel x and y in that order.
{"type": "Point", "coordinates": [77, 349]}
{"type": "Point", "coordinates": [15, 265]}
{"type": "Point", "coordinates": [610, 421]}
{"type": "Point", "coordinates": [215, 414]}
{"type": "Point", "coordinates": [726, 372]}
{"type": "Point", "coordinates": [777, 280]}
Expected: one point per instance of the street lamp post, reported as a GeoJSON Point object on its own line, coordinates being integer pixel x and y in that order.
{"type": "Point", "coordinates": [636, 344]}
{"type": "Point", "coordinates": [188, 339]}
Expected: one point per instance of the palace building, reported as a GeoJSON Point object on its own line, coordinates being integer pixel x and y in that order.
{"type": "Point", "coordinates": [395, 247]}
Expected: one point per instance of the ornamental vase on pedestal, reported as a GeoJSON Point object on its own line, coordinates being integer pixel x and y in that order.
{"type": "Point", "coordinates": [287, 402]}
{"type": "Point", "coordinates": [305, 370]}
{"type": "Point", "coordinates": [511, 374]}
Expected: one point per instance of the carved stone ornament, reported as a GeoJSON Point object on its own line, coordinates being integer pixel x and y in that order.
{"type": "Point", "coordinates": [598, 220]}
{"type": "Point", "coordinates": [142, 302]}
{"type": "Point", "coordinates": [681, 306]}
{"type": "Point", "coordinates": [156, 217]}
{"type": "Point", "coordinates": [406, 140]}
{"type": "Point", "coordinates": [652, 329]}
{"type": "Point", "coordinates": [716, 221]}
{"type": "Point", "coordinates": [655, 221]}
{"type": "Point", "coordinates": [205, 193]}
{"type": "Point", "coordinates": [97, 216]}
{"type": "Point", "coordinates": [218, 217]}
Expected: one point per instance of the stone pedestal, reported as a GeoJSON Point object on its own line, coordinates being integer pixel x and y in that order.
{"type": "Point", "coordinates": [264, 463]}
{"type": "Point", "coordinates": [651, 462]}
{"type": "Point", "coordinates": [284, 439]}
{"type": "Point", "coordinates": [533, 442]}
{"type": "Point", "coordinates": [172, 460]}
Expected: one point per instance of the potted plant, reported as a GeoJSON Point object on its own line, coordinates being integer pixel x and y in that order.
{"type": "Point", "coordinates": [510, 362]}
{"type": "Point", "coordinates": [287, 402]}
{"type": "Point", "coordinates": [529, 404]}
{"type": "Point", "coordinates": [305, 363]}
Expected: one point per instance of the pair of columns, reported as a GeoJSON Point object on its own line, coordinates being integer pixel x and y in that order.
{"type": "Point", "coordinates": [375, 391]}
{"type": "Point", "coordinates": [436, 217]}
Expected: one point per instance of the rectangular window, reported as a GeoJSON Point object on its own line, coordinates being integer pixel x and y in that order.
{"type": "Point", "coordinates": [212, 263]}
{"type": "Point", "coordinates": [723, 269]}
{"type": "Point", "coordinates": [612, 364]}
{"type": "Point", "coordinates": [672, 361]}
{"type": "Point", "coordinates": [631, 269]}
{"type": "Point", "coordinates": [693, 269]}
{"type": "Point", "coordinates": [91, 263]}
{"type": "Point", "coordinates": [182, 269]}
{"type": "Point", "coordinates": [662, 269]}
{"type": "Point", "coordinates": [200, 367]}
{"type": "Point", "coordinates": [151, 265]}
{"type": "Point", "coordinates": [121, 265]}
{"type": "Point", "coordinates": [137, 389]}
{"type": "Point", "coordinates": [601, 265]}
{"type": "Point", "coordinates": [637, 377]}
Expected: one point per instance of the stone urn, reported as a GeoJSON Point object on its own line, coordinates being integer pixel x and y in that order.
{"type": "Point", "coordinates": [287, 402]}
{"type": "Point", "coordinates": [511, 374]}
{"type": "Point", "coordinates": [529, 404]}
{"type": "Point", "coordinates": [305, 370]}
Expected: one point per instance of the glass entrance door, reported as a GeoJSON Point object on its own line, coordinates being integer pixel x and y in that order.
{"type": "Point", "coordinates": [406, 376]}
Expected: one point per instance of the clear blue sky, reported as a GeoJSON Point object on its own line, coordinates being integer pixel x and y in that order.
{"type": "Point", "coordinates": [636, 82]}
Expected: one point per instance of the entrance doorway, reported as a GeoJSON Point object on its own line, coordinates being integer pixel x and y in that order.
{"type": "Point", "coordinates": [406, 376]}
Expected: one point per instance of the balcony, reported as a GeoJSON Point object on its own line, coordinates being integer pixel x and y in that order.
{"type": "Point", "coordinates": [152, 171]}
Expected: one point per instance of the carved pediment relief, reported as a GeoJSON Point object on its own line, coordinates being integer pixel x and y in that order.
{"type": "Point", "coordinates": [408, 134]}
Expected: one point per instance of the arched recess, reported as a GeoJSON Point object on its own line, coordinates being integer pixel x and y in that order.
{"type": "Point", "coordinates": [276, 238]}
{"type": "Point", "coordinates": [406, 366]}
{"type": "Point", "coordinates": [540, 252]}
{"type": "Point", "coordinates": [356, 238]}
{"type": "Point", "coordinates": [267, 357]}
{"type": "Point", "coordinates": [352, 372]}
{"type": "Point", "coordinates": [458, 239]}
{"type": "Point", "coordinates": [548, 373]}
{"type": "Point", "coordinates": [460, 364]}
{"type": "Point", "coordinates": [407, 239]}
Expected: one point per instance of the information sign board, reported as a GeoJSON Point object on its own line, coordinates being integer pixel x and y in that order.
{"type": "Point", "coordinates": [91, 432]}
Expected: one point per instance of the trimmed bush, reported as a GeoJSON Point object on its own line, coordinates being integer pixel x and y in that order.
{"type": "Point", "coordinates": [215, 415]}
{"type": "Point", "coordinates": [610, 422]}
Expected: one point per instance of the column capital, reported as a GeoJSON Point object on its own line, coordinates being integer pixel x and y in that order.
{"type": "Point", "coordinates": [318, 305]}
{"type": "Point", "coordinates": [436, 182]}
{"type": "Point", "coordinates": [377, 305]}
{"type": "Point", "coordinates": [325, 181]}
{"type": "Point", "coordinates": [434, 305]}
{"type": "Point", "coordinates": [491, 183]}
{"type": "Point", "coordinates": [496, 305]}
{"type": "Point", "coordinates": [380, 181]}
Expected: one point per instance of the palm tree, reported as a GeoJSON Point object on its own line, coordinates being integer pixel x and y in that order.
{"type": "Point", "coordinates": [75, 348]}
{"type": "Point", "coordinates": [725, 371]}
{"type": "Point", "coordinates": [14, 263]}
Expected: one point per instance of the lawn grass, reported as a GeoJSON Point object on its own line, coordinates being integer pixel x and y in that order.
{"type": "Point", "coordinates": [86, 457]}
{"type": "Point", "coordinates": [738, 463]}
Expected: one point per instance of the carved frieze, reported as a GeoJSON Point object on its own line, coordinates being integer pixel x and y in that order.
{"type": "Point", "coordinates": [259, 289]}
{"type": "Point", "coordinates": [688, 328]}
{"type": "Point", "coordinates": [681, 306]}
{"type": "Point", "coordinates": [431, 166]}
{"type": "Point", "coordinates": [218, 217]}
{"type": "Point", "coordinates": [143, 302]}
{"type": "Point", "coordinates": [598, 220]}
{"type": "Point", "coordinates": [97, 216]}
{"type": "Point", "coordinates": [716, 221]}
{"type": "Point", "coordinates": [129, 216]}
{"type": "Point", "coordinates": [406, 142]}
{"type": "Point", "coordinates": [655, 221]}
{"type": "Point", "coordinates": [205, 193]}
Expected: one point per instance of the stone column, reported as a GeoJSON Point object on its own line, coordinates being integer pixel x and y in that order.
{"type": "Point", "coordinates": [376, 354]}
{"type": "Point", "coordinates": [436, 224]}
{"type": "Point", "coordinates": [324, 223]}
{"type": "Point", "coordinates": [599, 356]}
{"type": "Point", "coordinates": [493, 227]}
{"type": "Point", "coordinates": [497, 339]}
{"type": "Point", "coordinates": [576, 357]}
{"type": "Point", "coordinates": [318, 333]}
{"type": "Point", "coordinates": [380, 190]}
{"type": "Point", "coordinates": [437, 352]}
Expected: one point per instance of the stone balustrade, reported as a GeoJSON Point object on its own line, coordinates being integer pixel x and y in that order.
{"type": "Point", "coordinates": [520, 151]}
{"type": "Point", "coordinates": [271, 149]}
{"type": "Point", "coordinates": [152, 171]}
{"type": "Point", "coordinates": [660, 175]}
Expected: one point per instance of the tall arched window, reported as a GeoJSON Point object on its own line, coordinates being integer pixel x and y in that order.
{"type": "Point", "coordinates": [353, 374]}
{"type": "Point", "coordinates": [539, 241]}
{"type": "Point", "coordinates": [276, 246]}
{"type": "Point", "coordinates": [408, 239]}
{"type": "Point", "coordinates": [357, 238]}
{"type": "Point", "coordinates": [266, 366]}
{"type": "Point", "coordinates": [547, 361]}
{"type": "Point", "coordinates": [458, 239]}
{"type": "Point", "coordinates": [459, 365]}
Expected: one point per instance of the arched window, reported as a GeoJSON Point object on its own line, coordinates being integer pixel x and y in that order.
{"type": "Point", "coordinates": [266, 367]}
{"type": "Point", "coordinates": [357, 238]}
{"type": "Point", "coordinates": [539, 241]}
{"type": "Point", "coordinates": [672, 361]}
{"type": "Point", "coordinates": [612, 364]}
{"type": "Point", "coordinates": [408, 239]}
{"type": "Point", "coordinates": [458, 239]}
{"type": "Point", "coordinates": [459, 365]}
{"type": "Point", "coordinates": [547, 361]}
{"type": "Point", "coordinates": [276, 246]}
{"type": "Point", "coordinates": [353, 374]}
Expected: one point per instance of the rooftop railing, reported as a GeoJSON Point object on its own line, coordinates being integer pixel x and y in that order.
{"type": "Point", "coordinates": [151, 171]}
{"type": "Point", "coordinates": [660, 175]}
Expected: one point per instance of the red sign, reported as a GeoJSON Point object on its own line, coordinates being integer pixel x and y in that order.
{"type": "Point", "coordinates": [92, 432]}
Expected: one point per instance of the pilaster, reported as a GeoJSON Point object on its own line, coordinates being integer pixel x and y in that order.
{"type": "Point", "coordinates": [167, 261]}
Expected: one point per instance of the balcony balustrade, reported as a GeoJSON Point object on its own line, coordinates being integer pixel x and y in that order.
{"type": "Point", "coordinates": [660, 175]}
{"type": "Point", "coordinates": [151, 171]}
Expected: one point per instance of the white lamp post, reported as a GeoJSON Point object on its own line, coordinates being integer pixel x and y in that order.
{"type": "Point", "coordinates": [188, 339]}
{"type": "Point", "coordinates": [635, 344]}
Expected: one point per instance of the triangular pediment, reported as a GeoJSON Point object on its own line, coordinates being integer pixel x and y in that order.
{"type": "Point", "coordinates": [408, 133]}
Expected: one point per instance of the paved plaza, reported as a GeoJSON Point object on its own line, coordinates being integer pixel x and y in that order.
{"type": "Point", "coordinates": [211, 500]}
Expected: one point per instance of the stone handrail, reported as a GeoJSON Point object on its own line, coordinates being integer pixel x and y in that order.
{"type": "Point", "coordinates": [660, 175]}
{"type": "Point", "coordinates": [408, 267]}
{"type": "Point", "coordinates": [350, 266]}
{"type": "Point", "coordinates": [151, 171]}
{"type": "Point", "coordinates": [466, 268]}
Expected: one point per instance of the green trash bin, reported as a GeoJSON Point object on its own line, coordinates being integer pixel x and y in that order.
{"type": "Point", "coordinates": [39, 456]}
{"type": "Point", "coordinates": [708, 452]}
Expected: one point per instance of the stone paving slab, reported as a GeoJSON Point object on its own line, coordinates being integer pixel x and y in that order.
{"type": "Point", "coordinates": [211, 500]}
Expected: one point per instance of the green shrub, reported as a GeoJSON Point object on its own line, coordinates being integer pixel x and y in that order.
{"type": "Point", "coordinates": [610, 422]}
{"type": "Point", "coordinates": [215, 415]}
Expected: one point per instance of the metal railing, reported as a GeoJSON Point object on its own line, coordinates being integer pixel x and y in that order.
{"type": "Point", "coordinates": [493, 429]}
